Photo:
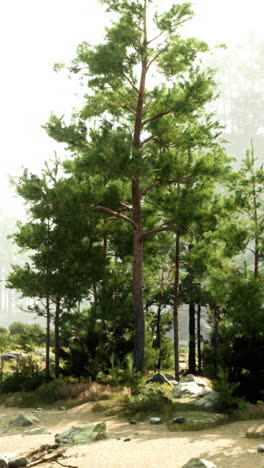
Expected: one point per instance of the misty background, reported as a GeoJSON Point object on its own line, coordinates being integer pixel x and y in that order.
{"type": "Point", "coordinates": [35, 35]}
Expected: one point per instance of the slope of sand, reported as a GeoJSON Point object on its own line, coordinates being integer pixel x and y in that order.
{"type": "Point", "coordinates": [150, 446]}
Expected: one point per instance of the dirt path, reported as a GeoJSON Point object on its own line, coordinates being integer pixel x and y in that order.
{"type": "Point", "coordinates": [150, 446]}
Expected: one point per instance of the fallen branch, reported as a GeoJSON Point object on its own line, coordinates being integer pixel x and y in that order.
{"type": "Point", "coordinates": [47, 458]}
{"type": "Point", "coordinates": [67, 466]}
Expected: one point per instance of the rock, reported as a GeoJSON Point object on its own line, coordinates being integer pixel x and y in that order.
{"type": "Point", "coordinates": [82, 433]}
{"type": "Point", "coordinates": [199, 463]}
{"type": "Point", "coordinates": [161, 379]}
{"type": "Point", "coordinates": [170, 376]}
{"type": "Point", "coordinates": [155, 421]}
{"type": "Point", "coordinates": [23, 419]}
{"type": "Point", "coordinates": [193, 378]}
{"type": "Point", "coordinates": [127, 439]}
{"type": "Point", "coordinates": [39, 410]}
{"type": "Point", "coordinates": [10, 356]}
{"type": "Point", "coordinates": [53, 446]}
{"type": "Point", "coordinates": [261, 448]}
{"type": "Point", "coordinates": [62, 408]}
{"type": "Point", "coordinates": [179, 420]}
{"type": "Point", "coordinates": [132, 421]}
{"type": "Point", "coordinates": [210, 400]}
{"type": "Point", "coordinates": [3, 463]}
{"type": "Point", "coordinates": [189, 389]}
{"type": "Point", "coordinates": [255, 432]}
{"type": "Point", "coordinates": [17, 462]}
{"type": "Point", "coordinates": [37, 431]}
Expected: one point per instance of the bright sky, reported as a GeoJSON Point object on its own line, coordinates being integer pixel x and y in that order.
{"type": "Point", "coordinates": [34, 34]}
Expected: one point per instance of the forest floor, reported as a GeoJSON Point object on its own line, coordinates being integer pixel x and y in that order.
{"type": "Point", "coordinates": [151, 446]}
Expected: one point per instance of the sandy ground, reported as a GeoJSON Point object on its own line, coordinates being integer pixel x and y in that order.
{"type": "Point", "coordinates": [150, 446]}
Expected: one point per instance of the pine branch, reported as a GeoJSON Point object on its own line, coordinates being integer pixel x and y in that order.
{"type": "Point", "coordinates": [155, 117]}
{"type": "Point", "coordinates": [164, 182]}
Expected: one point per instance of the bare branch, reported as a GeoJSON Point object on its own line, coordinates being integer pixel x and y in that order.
{"type": "Point", "coordinates": [156, 37]}
{"type": "Point", "coordinates": [155, 117]}
{"type": "Point", "coordinates": [154, 58]}
{"type": "Point", "coordinates": [130, 109]}
{"type": "Point", "coordinates": [126, 207]}
{"type": "Point", "coordinates": [115, 214]}
{"type": "Point", "coordinates": [165, 182]}
{"type": "Point", "coordinates": [164, 145]}
{"type": "Point", "coordinates": [148, 139]}
{"type": "Point", "coordinates": [251, 250]}
{"type": "Point", "coordinates": [159, 229]}
{"type": "Point", "coordinates": [131, 82]}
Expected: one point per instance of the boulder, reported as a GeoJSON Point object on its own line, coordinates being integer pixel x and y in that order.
{"type": "Point", "coordinates": [199, 463]}
{"type": "Point", "coordinates": [17, 462]}
{"type": "Point", "coordinates": [210, 400]}
{"type": "Point", "coordinates": [82, 433]}
{"type": "Point", "coordinates": [37, 431]}
{"type": "Point", "coordinates": [189, 389]}
{"type": "Point", "coordinates": [155, 420]}
{"type": "Point", "coordinates": [261, 448]}
{"type": "Point", "coordinates": [178, 420]}
{"type": "Point", "coordinates": [193, 378]}
{"type": "Point", "coordinates": [9, 356]}
{"type": "Point", "coordinates": [22, 420]}
{"type": "Point", "coordinates": [162, 379]}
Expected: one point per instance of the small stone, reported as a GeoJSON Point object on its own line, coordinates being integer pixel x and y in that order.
{"type": "Point", "coordinates": [132, 421]}
{"type": "Point", "coordinates": [155, 421]}
{"type": "Point", "coordinates": [199, 463]}
{"type": "Point", "coordinates": [54, 446]}
{"type": "Point", "coordinates": [127, 439]}
{"type": "Point", "coordinates": [62, 408]}
{"type": "Point", "coordinates": [39, 410]}
{"type": "Point", "coordinates": [179, 420]}
{"type": "Point", "coordinates": [261, 448]}
{"type": "Point", "coordinates": [17, 462]}
{"type": "Point", "coordinates": [119, 438]}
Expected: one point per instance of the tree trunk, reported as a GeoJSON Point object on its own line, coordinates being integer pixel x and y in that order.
{"type": "Point", "coordinates": [215, 338]}
{"type": "Point", "coordinates": [47, 369]}
{"type": "Point", "coordinates": [176, 307]}
{"type": "Point", "coordinates": [199, 337]}
{"type": "Point", "coordinates": [192, 357]}
{"type": "Point", "coordinates": [158, 333]}
{"type": "Point", "coordinates": [139, 339]}
{"type": "Point", "coordinates": [57, 338]}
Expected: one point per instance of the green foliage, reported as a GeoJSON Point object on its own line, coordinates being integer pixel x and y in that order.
{"type": "Point", "coordinates": [149, 398]}
{"type": "Point", "coordinates": [25, 376]}
{"type": "Point", "coordinates": [228, 397]}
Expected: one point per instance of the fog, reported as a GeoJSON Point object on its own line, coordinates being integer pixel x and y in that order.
{"type": "Point", "coordinates": [35, 35]}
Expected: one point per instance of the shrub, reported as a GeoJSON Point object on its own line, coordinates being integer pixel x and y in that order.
{"type": "Point", "coordinates": [151, 397]}
{"type": "Point", "coordinates": [228, 398]}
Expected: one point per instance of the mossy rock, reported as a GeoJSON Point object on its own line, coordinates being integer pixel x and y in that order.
{"type": "Point", "coordinates": [23, 420]}
{"type": "Point", "coordinates": [196, 420]}
{"type": "Point", "coordinates": [82, 434]}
